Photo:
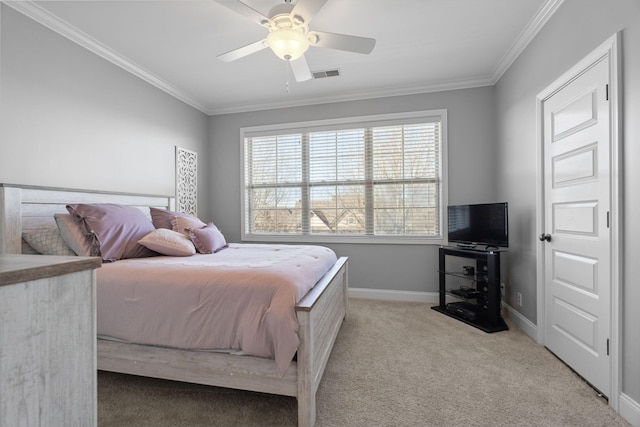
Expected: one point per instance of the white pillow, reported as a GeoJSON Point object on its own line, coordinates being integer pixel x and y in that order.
{"type": "Point", "coordinates": [168, 242]}
{"type": "Point", "coordinates": [48, 241]}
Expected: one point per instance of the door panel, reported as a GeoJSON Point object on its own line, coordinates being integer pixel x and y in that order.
{"type": "Point", "coordinates": [578, 114]}
{"type": "Point", "coordinates": [575, 166]}
{"type": "Point", "coordinates": [576, 324]}
{"type": "Point", "coordinates": [576, 126]}
{"type": "Point", "coordinates": [578, 218]}
{"type": "Point", "coordinates": [576, 271]}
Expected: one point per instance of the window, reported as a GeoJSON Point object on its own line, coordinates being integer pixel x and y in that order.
{"type": "Point", "coordinates": [361, 179]}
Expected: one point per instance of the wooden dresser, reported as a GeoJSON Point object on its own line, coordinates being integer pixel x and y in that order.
{"type": "Point", "coordinates": [47, 341]}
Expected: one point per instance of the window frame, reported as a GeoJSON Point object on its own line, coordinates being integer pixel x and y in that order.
{"type": "Point", "coordinates": [346, 123]}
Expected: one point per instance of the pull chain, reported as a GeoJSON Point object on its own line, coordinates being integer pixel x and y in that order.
{"type": "Point", "coordinates": [286, 64]}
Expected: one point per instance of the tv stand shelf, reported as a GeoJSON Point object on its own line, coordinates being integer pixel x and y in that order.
{"type": "Point", "coordinates": [478, 301]}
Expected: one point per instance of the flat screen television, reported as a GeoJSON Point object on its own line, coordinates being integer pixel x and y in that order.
{"type": "Point", "coordinates": [480, 224]}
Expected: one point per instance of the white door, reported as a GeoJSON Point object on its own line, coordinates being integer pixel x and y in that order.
{"type": "Point", "coordinates": [577, 252]}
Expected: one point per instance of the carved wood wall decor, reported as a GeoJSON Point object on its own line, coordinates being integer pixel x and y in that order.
{"type": "Point", "coordinates": [186, 181]}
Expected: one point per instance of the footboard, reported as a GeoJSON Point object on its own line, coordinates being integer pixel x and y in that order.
{"type": "Point", "coordinates": [320, 315]}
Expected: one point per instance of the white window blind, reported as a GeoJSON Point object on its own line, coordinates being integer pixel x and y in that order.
{"type": "Point", "coordinates": [371, 179]}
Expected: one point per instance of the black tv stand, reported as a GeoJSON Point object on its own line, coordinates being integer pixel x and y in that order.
{"type": "Point", "coordinates": [477, 302]}
{"type": "Point", "coordinates": [463, 246]}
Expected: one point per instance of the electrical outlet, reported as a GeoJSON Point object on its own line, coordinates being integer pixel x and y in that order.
{"type": "Point", "coordinates": [519, 299]}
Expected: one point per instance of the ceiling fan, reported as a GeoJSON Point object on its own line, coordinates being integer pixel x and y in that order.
{"type": "Point", "coordinates": [289, 36]}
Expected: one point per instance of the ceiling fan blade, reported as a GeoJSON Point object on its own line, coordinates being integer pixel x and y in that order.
{"type": "Point", "coordinates": [243, 51]}
{"type": "Point", "coordinates": [343, 42]}
{"type": "Point", "coordinates": [244, 10]}
{"type": "Point", "coordinates": [300, 69]}
{"type": "Point", "coordinates": [307, 9]}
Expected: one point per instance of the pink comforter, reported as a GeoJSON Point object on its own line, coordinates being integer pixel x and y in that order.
{"type": "Point", "coordinates": [241, 298]}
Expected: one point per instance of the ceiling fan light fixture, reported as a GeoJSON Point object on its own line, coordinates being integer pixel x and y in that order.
{"type": "Point", "coordinates": [287, 43]}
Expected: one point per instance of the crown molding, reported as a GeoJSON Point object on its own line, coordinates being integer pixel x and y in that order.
{"type": "Point", "coordinates": [44, 17]}
{"type": "Point", "coordinates": [534, 26]}
{"type": "Point", "coordinates": [356, 96]}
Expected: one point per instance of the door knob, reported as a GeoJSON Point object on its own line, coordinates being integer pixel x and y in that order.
{"type": "Point", "coordinates": [544, 237]}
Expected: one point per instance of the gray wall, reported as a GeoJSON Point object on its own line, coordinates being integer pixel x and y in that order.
{"type": "Point", "coordinates": [577, 28]}
{"type": "Point", "coordinates": [471, 137]}
{"type": "Point", "coordinates": [72, 119]}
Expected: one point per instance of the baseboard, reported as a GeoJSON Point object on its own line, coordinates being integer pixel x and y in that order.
{"type": "Point", "coordinates": [630, 410]}
{"type": "Point", "coordinates": [526, 325]}
{"type": "Point", "coordinates": [387, 294]}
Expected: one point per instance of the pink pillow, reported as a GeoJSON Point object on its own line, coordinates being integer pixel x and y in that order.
{"type": "Point", "coordinates": [117, 228]}
{"type": "Point", "coordinates": [168, 242]}
{"type": "Point", "coordinates": [162, 218]}
{"type": "Point", "coordinates": [182, 223]}
{"type": "Point", "coordinates": [208, 239]}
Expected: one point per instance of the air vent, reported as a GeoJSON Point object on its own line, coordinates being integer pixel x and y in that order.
{"type": "Point", "coordinates": [326, 73]}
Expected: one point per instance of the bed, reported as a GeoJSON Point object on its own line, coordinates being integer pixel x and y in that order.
{"type": "Point", "coordinates": [319, 313]}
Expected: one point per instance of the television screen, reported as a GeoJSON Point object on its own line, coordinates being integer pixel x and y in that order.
{"type": "Point", "coordinates": [481, 224]}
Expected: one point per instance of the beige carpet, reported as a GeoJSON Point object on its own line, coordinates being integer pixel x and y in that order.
{"type": "Point", "coordinates": [394, 364]}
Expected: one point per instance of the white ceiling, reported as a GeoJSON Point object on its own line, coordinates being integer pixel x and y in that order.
{"type": "Point", "coordinates": [422, 46]}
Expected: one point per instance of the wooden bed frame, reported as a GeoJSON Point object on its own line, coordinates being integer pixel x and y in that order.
{"type": "Point", "coordinates": [320, 313]}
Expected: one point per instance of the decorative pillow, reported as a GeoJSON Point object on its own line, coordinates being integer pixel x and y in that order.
{"type": "Point", "coordinates": [48, 241]}
{"type": "Point", "coordinates": [208, 239]}
{"type": "Point", "coordinates": [168, 242]}
{"type": "Point", "coordinates": [27, 249]}
{"type": "Point", "coordinates": [117, 229]}
{"type": "Point", "coordinates": [162, 218]}
{"type": "Point", "coordinates": [181, 223]}
{"type": "Point", "coordinates": [75, 235]}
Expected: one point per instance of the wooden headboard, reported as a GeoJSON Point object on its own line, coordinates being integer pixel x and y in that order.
{"type": "Point", "coordinates": [25, 208]}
